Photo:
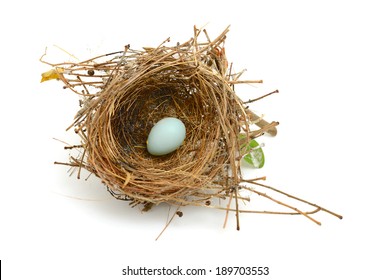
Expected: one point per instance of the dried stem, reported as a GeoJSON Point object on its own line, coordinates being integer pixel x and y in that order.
{"type": "Point", "coordinates": [168, 223]}
{"type": "Point", "coordinates": [228, 209]}
{"type": "Point", "coordinates": [261, 97]}
{"type": "Point", "coordinates": [253, 181]}
{"type": "Point", "coordinates": [246, 82]}
{"type": "Point", "coordinates": [282, 203]}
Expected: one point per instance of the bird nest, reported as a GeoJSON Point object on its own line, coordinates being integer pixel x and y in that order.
{"type": "Point", "coordinates": [123, 94]}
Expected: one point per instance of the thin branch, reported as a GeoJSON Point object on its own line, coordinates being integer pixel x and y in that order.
{"type": "Point", "coordinates": [246, 82]}
{"type": "Point", "coordinates": [168, 223]}
{"type": "Point", "coordinates": [293, 197]}
{"type": "Point", "coordinates": [264, 127]}
{"type": "Point", "coordinates": [237, 209]}
{"type": "Point", "coordinates": [228, 209]}
{"type": "Point", "coordinates": [261, 97]}
{"type": "Point", "coordinates": [282, 203]}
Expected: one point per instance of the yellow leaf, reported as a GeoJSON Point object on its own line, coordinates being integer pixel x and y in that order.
{"type": "Point", "coordinates": [52, 74]}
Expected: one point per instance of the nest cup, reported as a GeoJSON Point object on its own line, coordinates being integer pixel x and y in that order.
{"type": "Point", "coordinates": [156, 85]}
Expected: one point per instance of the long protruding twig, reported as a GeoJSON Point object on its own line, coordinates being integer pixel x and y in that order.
{"type": "Point", "coordinates": [294, 197]}
{"type": "Point", "coordinates": [168, 223]}
{"type": "Point", "coordinates": [282, 203]}
{"type": "Point", "coordinates": [228, 209]}
{"type": "Point", "coordinates": [261, 97]}
{"type": "Point", "coordinates": [237, 208]}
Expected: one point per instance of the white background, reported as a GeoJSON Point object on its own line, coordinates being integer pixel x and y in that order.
{"type": "Point", "coordinates": [330, 61]}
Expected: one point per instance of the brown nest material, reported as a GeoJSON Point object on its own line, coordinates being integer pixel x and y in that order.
{"type": "Point", "coordinates": [123, 94]}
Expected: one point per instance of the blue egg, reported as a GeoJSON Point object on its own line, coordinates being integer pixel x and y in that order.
{"type": "Point", "coordinates": [166, 136]}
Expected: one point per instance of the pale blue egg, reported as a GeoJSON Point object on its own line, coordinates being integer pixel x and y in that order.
{"type": "Point", "coordinates": [166, 136]}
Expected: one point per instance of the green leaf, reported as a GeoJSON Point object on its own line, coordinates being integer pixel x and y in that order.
{"type": "Point", "coordinates": [255, 157]}
{"type": "Point", "coordinates": [246, 147]}
{"type": "Point", "coordinates": [254, 154]}
{"type": "Point", "coordinates": [253, 144]}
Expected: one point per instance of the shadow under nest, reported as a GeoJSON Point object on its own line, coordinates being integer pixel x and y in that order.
{"type": "Point", "coordinates": [124, 94]}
